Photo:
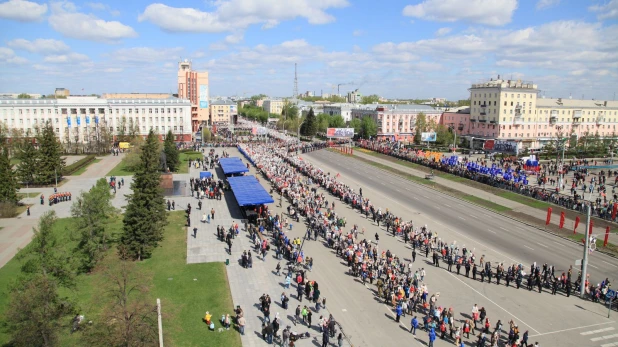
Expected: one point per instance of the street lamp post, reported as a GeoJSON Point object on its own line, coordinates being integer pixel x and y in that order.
{"type": "Point", "coordinates": [582, 291]}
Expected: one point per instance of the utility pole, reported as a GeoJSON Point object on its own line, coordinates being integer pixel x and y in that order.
{"type": "Point", "coordinates": [586, 251]}
{"type": "Point", "coordinates": [295, 81]}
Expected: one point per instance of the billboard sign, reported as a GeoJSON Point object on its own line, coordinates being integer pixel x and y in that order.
{"type": "Point", "coordinates": [203, 95]}
{"type": "Point", "coordinates": [340, 132]}
{"type": "Point", "coordinates": [429, 137]}
{"type": "Point", "coordinates": [500, 146]}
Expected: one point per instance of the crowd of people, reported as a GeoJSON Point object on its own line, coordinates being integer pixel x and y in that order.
{"type": "Point", "coordinates": [57, 198]}
{"type": "Point", "coordinates": [400, 284]}
{"type": "Point", "coordinates": [581, 185]}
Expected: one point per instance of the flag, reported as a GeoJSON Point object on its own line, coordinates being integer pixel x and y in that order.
{"type": "Point", "coordinates": [576, 224]}
{"type": "Point", "coordinates": [606, 237]}
{"type": "Point", "coordinates": [591, 225]}
{"type": "Point", "coordinates": [562, 219]}
{"type": "Point", "coordinates": [548, 220]}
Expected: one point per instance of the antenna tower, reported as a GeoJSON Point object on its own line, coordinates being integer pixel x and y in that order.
{"type": "Point", "coordinates": [295, 82]}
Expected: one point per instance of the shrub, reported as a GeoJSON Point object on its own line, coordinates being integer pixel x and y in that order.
{"type": "Point", "coordinates": [70, 169]}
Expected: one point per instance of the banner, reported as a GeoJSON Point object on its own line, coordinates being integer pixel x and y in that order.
{"type": "Point", "coordinates": [606, 237]}
{"type": "Point", "coordinates": [79, 120]}
{"type": "Point", "coordinates": [562, 216]}
{"type": "Point", "coordinates": [576, 224]}
{"type": "Point", "coordinates": [203, 95]}
{"type": "Point", "coordinates": [614, 210]}
{"type": "Point", "coordinates": [340, 132]}
{"type": "Point", "coordinates": [429, 137]}
{"type": "Point", "coordinates": [500, 146]}
{"type": "Point", "coordinates": [96, 119]}
{"type": "Point", "coordinates": [591, 225]}
{"type": "Point", "coordinates": [548, 220]}
{"type": "Point", "coordinates": [87, 119]}
{"type": "Point", "coordinates": [69, 121]}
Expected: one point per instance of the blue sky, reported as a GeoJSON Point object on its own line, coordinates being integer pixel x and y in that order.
{"type": "Point", "coordinates": [397, 49]}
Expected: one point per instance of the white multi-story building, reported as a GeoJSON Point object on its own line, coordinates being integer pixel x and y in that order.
{"type": "Point", "coordinates": [341, 109]}
{"type": "Point", "coordinates": [76, 119]}
{"type": "Point", "coordinates": [274, 106]}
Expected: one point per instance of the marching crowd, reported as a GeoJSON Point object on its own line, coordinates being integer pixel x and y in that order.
{"type": "Point", "coordinates": [399, 283]}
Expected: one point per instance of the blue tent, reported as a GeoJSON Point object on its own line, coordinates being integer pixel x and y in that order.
{"type": "Point", "coordinates": [248, 191]}
{"type": "Point", "coordinates": [205, 174]}
{"type": "Point", "coordinates": [232, 166]}
{"type": "Point", "coordinates": [245, 154]}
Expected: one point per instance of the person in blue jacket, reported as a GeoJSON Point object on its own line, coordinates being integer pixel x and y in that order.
{"type": "Point", "coordinates": [432, 337]}
{"type": "Point", "coordinates": [399, 312]}
{"type": "Point", "coordinates": [414, 325]}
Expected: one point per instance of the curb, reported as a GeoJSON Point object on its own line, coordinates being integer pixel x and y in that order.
{"type": "Point", "coordinates": [488, 209]}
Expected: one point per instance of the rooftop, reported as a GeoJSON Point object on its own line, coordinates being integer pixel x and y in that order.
{"type": "Point", "coordinates": [576, 103]}
{"type": "Point", "coordinates": [505, 84]}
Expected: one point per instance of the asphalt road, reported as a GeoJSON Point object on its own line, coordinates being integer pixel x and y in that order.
{"type": "Point", "coordinates": [551, 320]}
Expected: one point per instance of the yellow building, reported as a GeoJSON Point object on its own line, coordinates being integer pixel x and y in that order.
{"type": "Point", "coordinates": [222, 111]}
{"type": "Point", "coordinates": [273, 106]}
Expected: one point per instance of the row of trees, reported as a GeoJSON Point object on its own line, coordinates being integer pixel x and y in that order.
{"type": "Point", "coordinates": [38, 308]}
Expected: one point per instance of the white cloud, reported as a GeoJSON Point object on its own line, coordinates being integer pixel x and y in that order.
{"type": "Point", "coordinates": [113, 70]}
{"type": "Point", "coordinates": [146, 54]}
{"type": "Point", "coordinates": [23, 11]}
{"type": "Point", "coordinates": [97, 6]}
{"type": "Point", "coordinates": [217, 46]}
{"type": "Point", "coordinates": [40, 46]}
{"type": "Point", "coordinates": [543, 4]}
{"type": "Point", "coordinates": [66, 58]}
{"type": "Point", "coordinates": [231, 15]}
{"type": "Point", "coordinates": [67, 21]}
{"type": "Point", "coordinates": [488, 12]}
{"type": "Point", "coordinates": [607, 11]}
{"type": "Point", "coordinates": [443, 31]}
{"type": "Point", "coordinates": [234, 38]}
{"type": "Point", "coordinates": [358, 33]}
{"type": "Point", "coordinates": [8, 56]}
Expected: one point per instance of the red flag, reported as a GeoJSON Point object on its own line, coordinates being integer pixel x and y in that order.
{"type": "Point", "coordinates": [591, 225]}
{"type": "Point", "coordinates": [606, 237]}
{"type": "Point", "coordinates": [614, 210]}
{"type": "Point", "coordinates": [576, 224]}
{"type": "Point", "coordinates": [562, 219]}
{"type": "Point", "coordinates": [548, 220]}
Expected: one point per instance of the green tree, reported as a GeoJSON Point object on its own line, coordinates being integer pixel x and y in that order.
{"type": "Point", "coordinates": [258, 97]}
{"type": "Point", "coordinates": [289, 110]}
{"type": "Point", "coordinates": [145, 215]}
{"type": "Point", "coordinates": [310, 126]}
{"type": "Point", "coordinates": [43, 255]}
{"type": "Point", "coordinates": [336, 98]}
{"type": "Point", "coordinates": [370, 99]}
{"type": "Point", "coordinates": [206, 134]}
{"type": "Point", "coordinates": [92, 212]}
{"type": "Point", "coordinates": [133, 158]}
{"type": "Point", "coordinates": [444, 134]}
{"type": "Point", "coordinates": [369, 128]}
{"type": "Point", "coordinates": [172, 156]}
{"type": "Point", "coordinates": [28, 165]}
{"type": "Point", "coordinates": [336, 121]}
{"type": "Point", "coordinates": [24, 96]}
{"type": "Point", "coordinates": [8, 188]}
{"type": "Point", "coordinates": [36, 311]}
{"type": "Point", "coordinates": [357, 125]}
{"type": "Point", "coordinates": [420, 126]}
{"type": "Point", "coordinates": [323, 121]}
{"type": "Point", "coordinates": [50, 162]}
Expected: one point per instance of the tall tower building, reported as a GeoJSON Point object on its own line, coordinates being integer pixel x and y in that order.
{"type": "Point", "coordinates": [193, 86]}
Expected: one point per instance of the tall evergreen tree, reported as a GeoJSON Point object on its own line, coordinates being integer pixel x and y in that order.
{"type": "Point", "coordinates": [8, 188]}
{"type": "Point", "coordinates": [310, 125]}
{"type": "Point", "coordinates": [51, 162]}
{"type": "Point", "coordinates": [29, 159]}
{"type": "Point", "coordinates": [172, 156]}
{"type": "Point", "coordinates": [92, 211]}
{"type": "Point", "coordinates": [145, 215]}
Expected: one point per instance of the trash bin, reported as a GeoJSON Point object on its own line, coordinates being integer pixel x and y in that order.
{"type": "Point", "coordinates": [227, 262]}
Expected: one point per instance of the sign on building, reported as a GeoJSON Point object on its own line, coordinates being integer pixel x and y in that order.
{"type": "Point", "coordinates": [340, 132]}
{"type": "Point", "coordinates": [429, 137]}
{"type": "Point", "coordinates": [500, 146]}
{"type": "Point", "coordinates": [203, 95]}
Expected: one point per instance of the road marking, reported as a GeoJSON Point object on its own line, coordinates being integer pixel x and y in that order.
{"type": "Point", "coordinates": [493, 302]}
{"type": "Point", "coordinates": [486, 215]}
{"type": "Point", "coordinates": [609, 263]}
{"type": "Point", "coordinates": [596, 331]}
{"type": "Point", "coordinates": [491, 231]}
{"type": "Point", "coordinates": [592, 266]}
{"type": "Point", "coordinates": [425, 197]}
{"type": "Point", "coordinates": [344, 310]}
{"type": "Point", "coordinates": [447, 205]}
{"type": "Point", "coordinates": [415, 198]}
{"type": "Point", "coordinates": [462, 218]}
{"type": "Point", "coordinates": [503, 229]}
{"type": "Point", "coordinates": [606, 337]}
{"type": "Point", "coordinates": [614, 344]}
{"type": "Point", "coordinates": [542, 245]}
{"type": "Point", "coordinates": [558, 243]}
{"type": "Point", "coordinates": [569, 329]}
{"type": "Point", "coordinates": [529, 247]}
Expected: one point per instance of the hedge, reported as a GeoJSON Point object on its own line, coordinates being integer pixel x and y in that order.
{"type": "Point", "coordinates": [70, 169]}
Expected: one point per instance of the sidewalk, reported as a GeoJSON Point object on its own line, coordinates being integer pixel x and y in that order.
{"type": "Point", "coordinates": [515, 206]}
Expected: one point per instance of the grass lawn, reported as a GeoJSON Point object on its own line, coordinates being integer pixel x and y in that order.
{"type": "Point", "coordinates": [485, 203]}
{"type": "Point", "coordinates": [184, 160]}
{"type": "Point", "coordinates": [186, 291]}
{"type": "Point", "coordinates": [120, 170]}
{"type": "Point", "coordinates": [524, 200]}
{"type": "Point", "coordinates": [83, 169]}
{"type": "Point", "coordinates": [28, 195]}
{"type": "Point", "coordinates": [15, 161]}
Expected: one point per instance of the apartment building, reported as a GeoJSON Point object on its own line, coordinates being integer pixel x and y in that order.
{"type": "Point", "coordinates": [342, 109]}
{"type": "Point", "coordinates": [193, 86]}
{"type": "Point", "coordinates": [396, 122]}
{"type": "Point", "coordinates": [222, 111]}
{"type": "Point", "coordinates": [78, 119]}
{"type": "Point", "coordinates": [273, 106]}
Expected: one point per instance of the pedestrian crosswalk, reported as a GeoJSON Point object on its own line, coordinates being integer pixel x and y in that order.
{"type": "Point", "coordinates": [603, 336]}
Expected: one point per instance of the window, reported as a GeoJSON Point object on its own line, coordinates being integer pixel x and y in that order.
{"type": "Point", "coordinates": [156, 110]}
{"type": "Point", "coordinates": [144, 119]}
{"type": "Point", "coordinates": [169, 119]}
{"type": "Point", "coordinates": [149, 110]}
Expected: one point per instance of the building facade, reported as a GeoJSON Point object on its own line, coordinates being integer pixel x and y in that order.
{"type": "Point", "coordinates": [80, 119]}
{"type": "Point", "coordinates": [396, 122]}
{"type": "Point", "coordinates": [193, 86]}
{"type": "Point", "coordinates": [354, 97]}
{"type": "Point", "coordinates": [512, 111]}
{"type": "Point", "coordinates": [273, 106]}
{"type": "Point", "coordinates": [341, 109]}
{"type": "Point", "coordinates": [62, 92]}
{"type": "Point", "coordinates": [223, 111]}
